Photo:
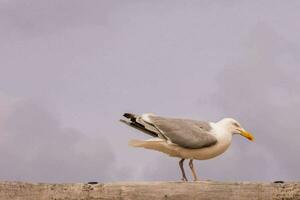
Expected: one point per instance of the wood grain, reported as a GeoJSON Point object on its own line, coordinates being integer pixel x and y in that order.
{"type": "Point", "coordinates": [151, 190]}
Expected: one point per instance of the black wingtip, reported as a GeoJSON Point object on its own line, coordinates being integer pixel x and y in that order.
{"type": "Point", "coordinates": [278, 181]}
{"type": "Point", "coordinates": [124, 121]}
{"type": "Point", "coordinates": [92, 182]}
{"type": "Point", "coordinates": [128, 115]}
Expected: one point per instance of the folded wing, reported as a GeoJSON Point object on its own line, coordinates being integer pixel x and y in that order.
{"type": "Point", "coordinates": [183, 132]}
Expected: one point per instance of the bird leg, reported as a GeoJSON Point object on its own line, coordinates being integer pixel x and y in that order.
{"type": "Point", "coordinates": [182, 170]}
{"type": "Point", "coordinates": [193, 170]}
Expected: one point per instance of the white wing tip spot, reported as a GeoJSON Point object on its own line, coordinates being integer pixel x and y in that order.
{"type": "Point", "coordinates": [146, 117]}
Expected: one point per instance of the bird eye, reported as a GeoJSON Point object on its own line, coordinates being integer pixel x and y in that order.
{"type": "Point", "coordinates": [236, 124]}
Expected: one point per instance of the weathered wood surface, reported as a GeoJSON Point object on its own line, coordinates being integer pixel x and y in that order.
{"type": "Point", "coordinates": [151, 190]}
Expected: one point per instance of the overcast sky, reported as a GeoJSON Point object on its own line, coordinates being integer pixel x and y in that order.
{"type": "Point", "coordinates": [69, 70]}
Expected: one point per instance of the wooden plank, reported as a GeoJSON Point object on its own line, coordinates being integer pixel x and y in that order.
{"type": "Point", "coordinates": [151, 190]}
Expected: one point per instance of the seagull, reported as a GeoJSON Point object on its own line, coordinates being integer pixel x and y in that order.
{"type": "Point", "coordinates": [185, 138]}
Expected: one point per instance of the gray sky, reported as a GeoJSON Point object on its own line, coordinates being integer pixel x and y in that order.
{"type": "Point", "coordinates": [69, 69]}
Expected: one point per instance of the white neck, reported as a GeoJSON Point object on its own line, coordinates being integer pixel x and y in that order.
{"type": "Point", "coordinates": [222, 133]}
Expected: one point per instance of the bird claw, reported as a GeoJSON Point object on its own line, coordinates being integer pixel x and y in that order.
{"type": "Point", "coordinates": [184, 179]}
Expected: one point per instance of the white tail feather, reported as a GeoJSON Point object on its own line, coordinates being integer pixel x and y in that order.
{"type": "Point", "coordinates": [145, 143]}
{"type": "Point", "coordinates": [136, 143]}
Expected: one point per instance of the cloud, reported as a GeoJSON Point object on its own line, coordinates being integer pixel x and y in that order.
{"type": "Point", "coordinates": [261, 90]}
{"type": "Point", "coordinates": [32, 18]}
{"type": "Point", "coordinates": [36, 147]}
{"type": "Point", "coordinates": [97, 59]}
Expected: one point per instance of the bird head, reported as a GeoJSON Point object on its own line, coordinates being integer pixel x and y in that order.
{"type": "Point", "coordinates": [235, 127]}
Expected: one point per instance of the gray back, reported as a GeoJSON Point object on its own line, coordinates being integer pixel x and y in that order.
{"type": "Point", "coordinates": [185, 132]}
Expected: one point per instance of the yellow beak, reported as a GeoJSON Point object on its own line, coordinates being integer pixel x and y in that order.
{"type": "Point", "coordinates": [246, 134]}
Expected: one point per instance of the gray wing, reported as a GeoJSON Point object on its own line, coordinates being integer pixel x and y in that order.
{"type": "Point", "coordinates": [184, 132]}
